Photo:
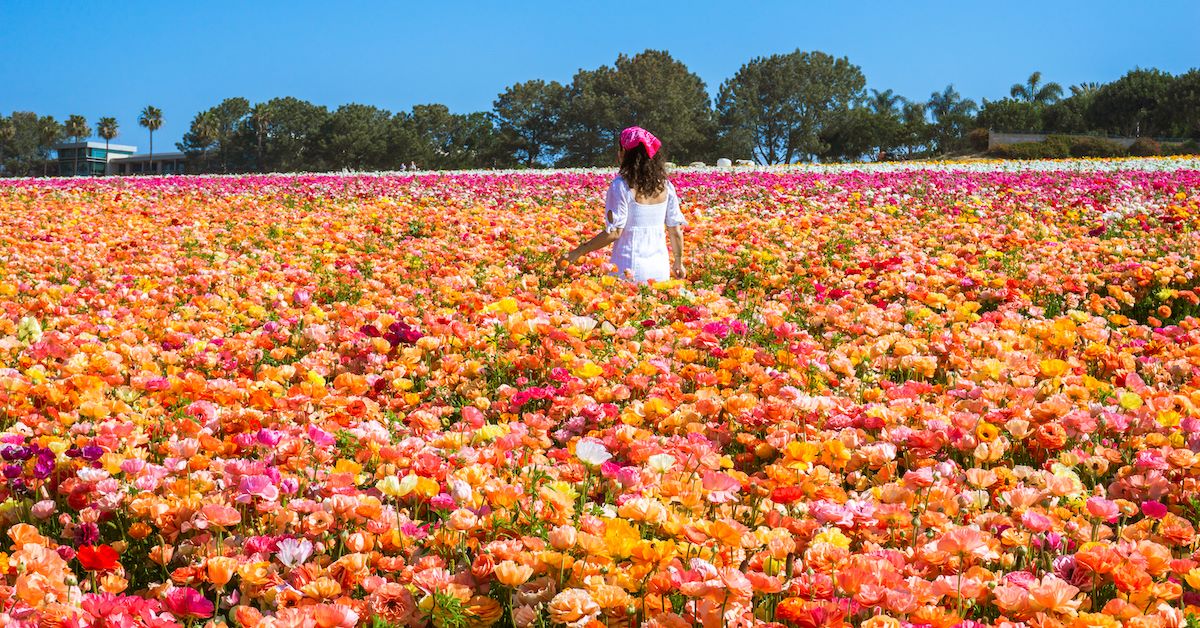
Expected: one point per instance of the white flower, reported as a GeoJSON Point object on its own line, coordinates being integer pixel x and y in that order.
{"type": "Point", "coordinates": [29, 330]}
{"type": "Point", "coordinates": [460, 491]}
{"type": "Point", "coordinates": [294, 552]}
{"type": "Point", "coordinates": [592, 452]}
{"type": "Point", "coordinates": [585, 324]}
{"type": "Point", "coordinates": [661, 462]}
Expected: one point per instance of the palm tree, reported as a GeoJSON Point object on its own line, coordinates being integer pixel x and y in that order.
{"type": "Point", "coordinates": [49, 132]}
{"type": "Point", "coordinates": [951, 113]}
{"type": "Point", "coordinates": [886, 103]}
{"type": "Point", "coordinates": [1034, 91]}
{"type": "Point", "coordinates": [1085, 89]}
{"type": "Point", "coordinates": [260, 115]}
{"type": "Point", "coordinates": [206, 127]}
{"type": "Point", "coordinates": [151, 119]}
{"type": "Point", "coordinates": [76, 127]}
{"type": "Point", "coordinates": [949, 103]}
{"type": "Point", "coordinates": [106, 128]}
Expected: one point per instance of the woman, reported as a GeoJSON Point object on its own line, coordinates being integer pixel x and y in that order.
{"type": "Point", "coordinates": [642, 208]}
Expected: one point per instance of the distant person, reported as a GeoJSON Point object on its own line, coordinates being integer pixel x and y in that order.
{"type": "Point", "coordinates": [412, 165]}
{"type": "Point", "coordinates": [642, 207]}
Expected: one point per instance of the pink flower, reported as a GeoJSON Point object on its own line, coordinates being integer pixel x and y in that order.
{"type": "Point", "coordinates": [1103, 509]}
{"type": "Point", "coordinates": [259, 486]}
{"type": "Point", "coordinates": [1036, 521]}
{"type": "Point", "coordinates": [188, 602]}
{"type": "Point", "coordinates": [1154, 510]}
{"type": "Point", "coordinates": [721, 487]}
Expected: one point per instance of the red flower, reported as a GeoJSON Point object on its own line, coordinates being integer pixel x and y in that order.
{"type": "Point", "coordinates": [787, 495]}
{"type": "Point", "coordinates": [98, 557]}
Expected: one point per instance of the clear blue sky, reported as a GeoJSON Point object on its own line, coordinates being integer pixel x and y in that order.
{"type": "Point", "coordinates": [113, 58]}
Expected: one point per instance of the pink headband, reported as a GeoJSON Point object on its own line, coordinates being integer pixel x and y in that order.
{"type": "Point", "coordinates": [635, 135]}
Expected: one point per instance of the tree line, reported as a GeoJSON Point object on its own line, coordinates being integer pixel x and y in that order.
{"type": "Point", "coordinates": [782, 108]}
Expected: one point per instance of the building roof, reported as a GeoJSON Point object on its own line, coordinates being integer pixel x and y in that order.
{"type": "Point", "coordinates": [92, 144]}
{"type": "Point", "coordinates": [146, 157]}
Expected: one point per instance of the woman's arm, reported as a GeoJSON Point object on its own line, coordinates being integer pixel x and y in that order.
{"type": "Point", "coordinates": [598, 241]}
{"type": "Point", "coordinates": [676, 236]}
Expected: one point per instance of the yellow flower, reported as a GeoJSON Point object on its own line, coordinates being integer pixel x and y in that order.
{"type": "Point", "coordinates": [588, 370]}
{"type": "Point", "coordinates": [1168, 418]}
{"type": "Point", "coordinates": [620, 537]}
{"type": "Point", "coordinates": [1129, 401]}
{"type": "Point", "coordinates": [800, 454]}
{"type": "Point", "coordinates": [987, 432]}
{"type": "Point", "coordinates": [1054, 368]}
{"type": "Point", "coordinates": [347, 466]}
{"type": "Point", "coordinates": [1192, 578]}
{"type": "Point", "coordinates": [832, 536]}
{"type": "Point", "coordinates": [508, 305]}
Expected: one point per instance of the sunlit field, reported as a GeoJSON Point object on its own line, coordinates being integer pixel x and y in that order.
{"type": "Point", "coordinates": [944, 394]}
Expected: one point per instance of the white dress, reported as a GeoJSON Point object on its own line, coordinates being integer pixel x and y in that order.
{"type": "Point", "coordinates": [641, 251]}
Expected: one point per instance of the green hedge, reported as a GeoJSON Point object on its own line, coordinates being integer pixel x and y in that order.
{"type": "Point", "coordinates": [1064, 146]}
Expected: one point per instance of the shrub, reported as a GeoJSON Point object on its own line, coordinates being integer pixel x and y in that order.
{"type": "Point", "coordinates": [978, 139]}
{"type": "Point", "coordinates": [1095, 147]}
{"type": "Point", "coordinates": [1145, 147]}
{"type": "Point", "coordinates": [1190, 147]}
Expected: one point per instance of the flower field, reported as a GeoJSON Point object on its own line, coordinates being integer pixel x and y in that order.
{"type": "Point", "coordinates": [947, 395]}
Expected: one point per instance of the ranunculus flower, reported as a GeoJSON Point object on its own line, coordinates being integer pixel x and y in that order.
{"type": "Point", "coordinates": [98, 557]}
{"type": "Point", "coordinates": [1154, 510]}
{"type": "Point", "coordinates": [592, 452]}
{"type": "Point", "coordinates": [187, 602]}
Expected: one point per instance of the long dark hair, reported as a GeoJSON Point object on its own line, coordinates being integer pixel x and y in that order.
{"type": "Point", "coordinates": [646, 175]}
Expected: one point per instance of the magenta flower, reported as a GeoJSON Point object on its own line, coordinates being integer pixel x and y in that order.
{"type": "Point", "coordinates": [188, 602]}
{"type": "Point", "coordinates": [1154, 510]}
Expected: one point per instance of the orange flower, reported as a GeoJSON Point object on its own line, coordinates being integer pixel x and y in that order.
{"type": "Point", "coordinates": [512, 574]}
{"type": "Point", "coordinates": [574, 608]}
{"type": "Point", "coordinates": [220, 570]}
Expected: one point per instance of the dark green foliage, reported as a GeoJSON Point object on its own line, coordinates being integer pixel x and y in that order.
{"type": "Point", "coordinates": [528, 121]}
{"type": "Point", "coordinates": [650, 89]}
{"type": "Point", "coordinates": [778, 109]}
{"type": "Point", "coordinates": [1010, 115]}
{"type": "Point", "coordinates": [779, 106]}
{"type": "Point", "coordinates": [1060, 147]}
{"type": "Point", "coordinates": [1133, 105]}
{"type": "Point", "coordinates": [26, 141]}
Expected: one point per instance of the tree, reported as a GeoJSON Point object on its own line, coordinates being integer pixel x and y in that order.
{"type": "Point", "coordinates": [151, 120]}
{"type": "Point", "coordinates": [650, 89]}
{"type": "Point", "coordinates": [1035, 92]}
{"type": "Point", "coordinates": [916, 134]}
{"type": "Point", "coordinates": [27, 140]}
{"type": "Point", "coordinates": [200, 138]}
{"type": "Point", "coordinates": [219, 127]}
{"type": "Point", "coordinates": [851, 134]}
{"type": "Point", "coordinates": [7, 133]}
{"type": "Point", "coordinates": [1183, 103]}
{"type": "Point", "coordinates": [49, 132]}
{"type": "Point", "coordinates": [1132, 104]}
{"type": "Point", "coordinates": [106, 128]}
{"type": "Point", "coordinates": [887, 121]}
{"type": "Point", "coordinates": [434, 138]}
{"type": "Point", "coordinates": [779, 105]}
{"type": "Point", "coordinates": [527, 117]}
{"type": "Point", "coordinates": [1008, 114]}
{"type": "Point", "coordinates": [76, 128]}
{"type": "Point", "coordinates": [355, 137]}
{"type": "Point", "coordinates": [281, 135]}
{"type": "Point", "coordinates": [952, 114]}
{"type": "Point", "coordinates": [1070, 114]}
